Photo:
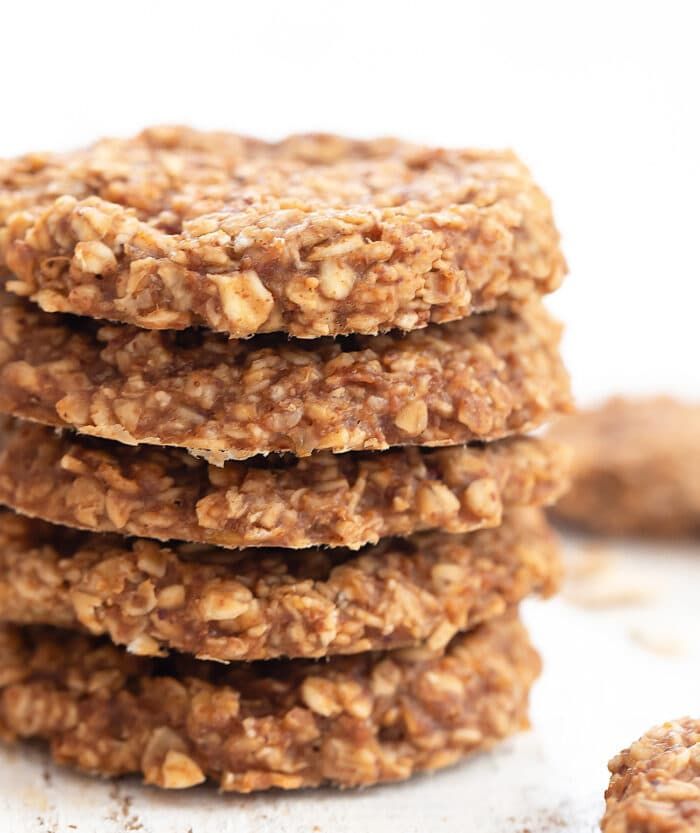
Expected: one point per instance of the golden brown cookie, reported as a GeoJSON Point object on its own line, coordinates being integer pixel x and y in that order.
{"type": "Point", "coordinates": [342, 500]}
{"type": "Point", "coordinates": [315, 235]}
{"type": "Point", "coordinates": [482, 378]}
{"type": "Point", "coordinates": [349, 721]}
{"type": "Point", "coordinates": [229, 605]}
{"type": "Point", "coordinates": [655, 784]}
{"type": "Point", "coordinates": [636, 467]}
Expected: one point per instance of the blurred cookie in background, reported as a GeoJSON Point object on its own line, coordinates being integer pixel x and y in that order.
{"type": "Point", "coordinates": [636, 468]}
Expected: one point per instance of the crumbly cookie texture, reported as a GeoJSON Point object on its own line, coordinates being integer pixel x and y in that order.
{"type": "Point", "coordinates": [315, 235]}
{"type": "Point", "coordinates": [227, 605]}
{"type": "Point", "coordinates": [635, 467]}
{"type": "Point", "coordinates": [349, 721]}
{"type": "Point", "coordinates": [341, 500]}
{"type": "Point", "coordinates": [655, 784]}
{"type": "Point", "coordinates": [478, 379]}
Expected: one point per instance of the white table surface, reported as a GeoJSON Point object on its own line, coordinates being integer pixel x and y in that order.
{"type": "Point", "coordinates": [613, 668]}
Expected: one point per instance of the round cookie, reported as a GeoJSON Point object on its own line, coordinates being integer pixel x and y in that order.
{"type": "Point", "coordinates": [635, 468]}
{"type": "Point", "coordinates": [260, 604]}
{"type": "Point", "coordinates": [349, 721]}
{"type": "Point", "coordinates": [340, 500]}
{"type": "Point", "coordinates": [313, 236]}
{"type": "Point", "coordinates": [482, 378]}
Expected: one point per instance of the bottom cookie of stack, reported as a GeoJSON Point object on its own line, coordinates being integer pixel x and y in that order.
{"type": "Point", "coordinates": [349, 721]}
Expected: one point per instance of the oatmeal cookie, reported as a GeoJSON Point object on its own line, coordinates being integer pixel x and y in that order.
{"type": "Point", "coordinates": [636, 468]}
{"type": "Point", "coordinates": [481, 378]}
{"type": "Point", "coordinates": [655, 784]}
{"type": "Point", "coordinates": [237, 605]}
{"type": "Point", "coordinates": [349, 721]}
{"type": "Point", "coordinates": [313, 236]}
{"type": "Point", "coordinates": [340, 500]}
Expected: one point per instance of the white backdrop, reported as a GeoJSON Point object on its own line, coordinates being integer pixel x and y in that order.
{"type": "Point", "coordinates": [600, 98]}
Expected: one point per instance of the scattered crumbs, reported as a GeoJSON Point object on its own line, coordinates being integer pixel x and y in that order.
{"type": "Point", "coordinates": [121, 811]}
{"type": "Point", "coordinates": [661, 644]}
{"type": "Point", "coordinates": [45, 826]}
{"type": "Point", "coordinates": [547, 823]}
{"type": "Point", "coordinates": [595, 580]}
{"type": "Point", "coordinates": [614, 594]}
{"type": "Point", "coordinates": [34, 798]}
{"type": "Point", "coordinates": [590, 560]}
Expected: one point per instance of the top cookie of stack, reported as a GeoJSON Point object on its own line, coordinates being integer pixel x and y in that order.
{"type": "Point", "coordinates": [312, 236]}
{"type": "Point", "coordinates": [182, 302]}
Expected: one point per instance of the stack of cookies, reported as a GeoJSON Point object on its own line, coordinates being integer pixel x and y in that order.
{"type": "Point", "coordinates": [270, 509]}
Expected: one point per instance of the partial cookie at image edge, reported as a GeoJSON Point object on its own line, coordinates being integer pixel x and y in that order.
{"type": "Point", "coordinates": [655, 783]}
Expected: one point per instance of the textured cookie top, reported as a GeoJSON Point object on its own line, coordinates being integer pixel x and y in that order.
{"type": "Point", "coordinates": [635, 467]}
{"type": "Point", "coordinates": [228, 605]}
{"type": "Point", "coordinates": [655, 784]}
{"type": "Point", "coordinates": [327, 499]}
{"type": "Point", "coordinates": [349, 721]}
{"type": "Point", "coordinates": [481, 378]}
{"type": "Point", "coordinates": [315, 235]}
